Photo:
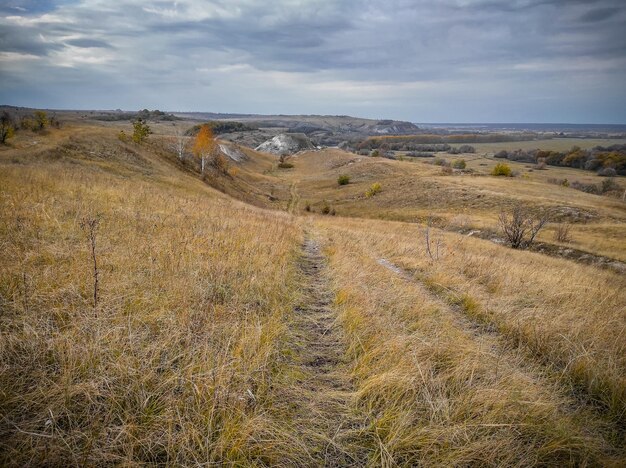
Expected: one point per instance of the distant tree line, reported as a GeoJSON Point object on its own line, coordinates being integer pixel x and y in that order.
{"type": "Point", "coordinates": [144, 114]}
{"type": "Point", "coordinates": [414, 142]}
{"type": "Point", "coordinates": [607, 161]}
{"type": "Point", "coordinates": [219, 127]}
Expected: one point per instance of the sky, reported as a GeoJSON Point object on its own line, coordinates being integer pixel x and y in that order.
{"type": "Point", "coordinates": [418, 60]}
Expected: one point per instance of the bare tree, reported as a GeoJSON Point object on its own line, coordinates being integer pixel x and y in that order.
{"type": "Point", "coordinates": [520, 227]}
{"type": "Point", "coordinates": [179, 143]}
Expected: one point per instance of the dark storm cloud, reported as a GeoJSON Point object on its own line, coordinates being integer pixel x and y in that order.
{"type": "Point", "coordinates": [600, 14]}
{"type": "Point", "coordinates": [402, 58]}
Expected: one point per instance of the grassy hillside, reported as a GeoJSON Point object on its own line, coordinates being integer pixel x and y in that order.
{"type": "Point", "coordinates": [152, 316]}
{"type": "Point", "coordinates": [415, 190]}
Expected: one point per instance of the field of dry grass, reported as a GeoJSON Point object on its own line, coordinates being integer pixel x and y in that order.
{"type": "Point", "coordinates": [554, 144]}
{"type": "Point", "coordinates": [177, 361]}
{"type": "Point", "coordinates": [233, 326]}
{"type": "Point", "coordinates": [439, 390]}
{"type": "Point", "coordinates": [413, 191]}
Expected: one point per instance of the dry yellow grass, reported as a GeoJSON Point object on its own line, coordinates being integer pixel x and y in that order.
{"type": "Point", "coordinates": [438, 392]}
{"type": "Point", "coordinates": [413, 191]}
{"type": "Point", "coordinates": [195, 352]}
{"type": "Point", "coordinates": [176, 363]}
{"type": "Point", "coordinates": [572, 316]}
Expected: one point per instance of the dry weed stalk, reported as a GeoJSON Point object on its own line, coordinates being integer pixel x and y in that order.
{"type": "Point", "coordinates": [91, 224]}
{"type": "Point", "coordinates": [434, 256]}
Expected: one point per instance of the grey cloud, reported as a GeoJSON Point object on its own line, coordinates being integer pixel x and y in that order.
{"type": "Point", "coordinates": [88, 43]}
{"type": "Point", "coordinates": [599, 14]}
{"type": "Point", "coordinates": [510, 44]}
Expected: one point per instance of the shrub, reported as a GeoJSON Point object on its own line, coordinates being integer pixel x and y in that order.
{"type": "Point", "coordinates": [587, 188]}
{"type": "Point", "coordinates": [307, 207]}
{"type": "Point", "coordinates": [27, 123]}
{"type": "Point", "coordinates": [501, 170]}
{"type": "Point", "coordinates": [609, 185]}
{"type": "Point", "coordinates": [343, 179]}
{"type": "Point", "coordinates": [420, 154]}
{"type": "Point", "coordinates": [285, 165]}
{"type": "Point", "coordinates": [326, 208]}
{"type": "Point", "coordinates": [520, 227]}
{"type": "Point", "coordinates": [41, 120]}
{"type": "Point", "coordinates": [373, 190]}
{"type": "Point", "coordinates": [607, 172]}
{"type": "Point", "coordinates": [221, 163]}
{"type": "Point", "coordinates": [375, 154]}
{"type": "Point", "coordinates": [446, 170]}
{"type": "Point", "coordinates": [459, 164]}
{"type": "Point", "coordinates": [141, 130]}
{"type": "Point", "coordinates": [593, 164]}
{"type": "Point", "coordinates": [7, 127]}
{"type": "Point", "coordinates": [562, 232]}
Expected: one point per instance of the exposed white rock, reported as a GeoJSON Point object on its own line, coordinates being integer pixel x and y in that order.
{"type": "Point", "coordinates": [286, 144]}
{"type": "Point", "coordinates": [232, 152]}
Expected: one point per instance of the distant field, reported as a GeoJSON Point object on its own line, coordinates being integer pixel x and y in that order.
{"type": "Point", "coordinates": [555, 144]}
{"type": "Point", "coordinates": [483, 163]}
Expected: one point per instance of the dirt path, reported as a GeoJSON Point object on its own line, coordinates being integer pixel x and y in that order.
{"type": "Point", "coordinates": [515, 357]}
{"type": "Point", "coordinates": [325, 418]}
{"type": "Point", "coordinates": [294, 200]}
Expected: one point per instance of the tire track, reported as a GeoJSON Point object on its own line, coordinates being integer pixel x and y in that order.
{"type": "Point", "coordinates": [518, 358]}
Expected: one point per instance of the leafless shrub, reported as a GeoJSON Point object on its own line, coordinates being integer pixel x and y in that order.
{"type": "Point", "coordinates": [178, 143]}
{"type": "Point", "coordinates": [520, 227]}
{"type": "Point", "coordinates": [562, 233]}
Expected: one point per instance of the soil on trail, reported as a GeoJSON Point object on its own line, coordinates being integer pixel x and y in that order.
{"type": "Point", "coordinates": [294, 199]}
{"type": "Point", "coordinates": [325, 418]}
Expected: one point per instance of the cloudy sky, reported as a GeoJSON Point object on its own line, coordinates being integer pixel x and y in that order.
{"type": "Point", "coordinates": [419, 60]}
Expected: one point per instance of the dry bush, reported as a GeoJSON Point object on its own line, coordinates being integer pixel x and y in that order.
{"type": "Point", "coordinates": [374, 189]}
{"type": "Point", "coordinates": [562, 232]}
{"type": "Point", "coordinates": [502, 169]}
{"type": "Point", "coordinates": [520, 226]}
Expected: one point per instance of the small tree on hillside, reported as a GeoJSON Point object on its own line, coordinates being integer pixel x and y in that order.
{"type": "Point", "coordinates": [7, 127]}
{"type": "Point", "coordinates": [204, 146]}
{"type": "Point", "coordinates": [179, 143]}
{"type": "Point", "coordinates": [41, 120]}
{"type": "Point", "coordinates": [141, 130]}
